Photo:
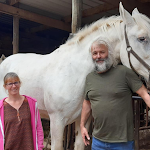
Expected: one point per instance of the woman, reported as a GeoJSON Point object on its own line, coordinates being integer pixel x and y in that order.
{"type": "Point", "coordinates": [20, 122]}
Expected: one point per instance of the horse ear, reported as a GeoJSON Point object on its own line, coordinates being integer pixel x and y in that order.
{"type": "Point", "coordinates": [135, 11]}
{"type": "Point", "coordinates": [126, 17]}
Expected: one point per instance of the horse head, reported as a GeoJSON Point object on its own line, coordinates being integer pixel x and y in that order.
{"type": "Point", "coordinates": [138, 34]}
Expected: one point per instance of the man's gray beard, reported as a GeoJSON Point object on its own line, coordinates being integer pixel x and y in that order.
{"type": "Point", "coordinates": [104, 66]}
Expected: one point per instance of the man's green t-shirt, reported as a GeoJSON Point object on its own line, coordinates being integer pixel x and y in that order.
{"type": "Point", "coordinates": [110, 95]}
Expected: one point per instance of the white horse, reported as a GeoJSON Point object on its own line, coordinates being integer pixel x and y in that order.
{"type": "Point", "coordinates": [57, 80]}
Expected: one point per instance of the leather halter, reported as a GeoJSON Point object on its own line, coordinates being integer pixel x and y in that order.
{"type": "Point", "coordinates": [130, 51]}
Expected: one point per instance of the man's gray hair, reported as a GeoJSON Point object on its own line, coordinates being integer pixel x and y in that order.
{"type": "Point", "coordinates": [106, 42]}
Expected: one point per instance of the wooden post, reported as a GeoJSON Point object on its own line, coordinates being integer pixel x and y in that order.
{"type": "Point", "coordinates": [76, 24]}
{"type": "Point", "coordinates": [137, 124]}
{"type": "Point", "coordinates": [15, 35]}
{"type": "Point", "coordinates": [76, 15]}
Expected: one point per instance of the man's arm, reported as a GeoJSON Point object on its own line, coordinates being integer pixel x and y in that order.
{"type": "Point", "coordinates": [86, 111]}
{"type": "Point", "coordinates": [144, 94]}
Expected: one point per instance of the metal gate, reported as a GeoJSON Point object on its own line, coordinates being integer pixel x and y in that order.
{"type": "Point", "coordinates": [141, 120]}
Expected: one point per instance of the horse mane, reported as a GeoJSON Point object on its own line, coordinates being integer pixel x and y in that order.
{"type": "Point", "coordinates": [102, 24]}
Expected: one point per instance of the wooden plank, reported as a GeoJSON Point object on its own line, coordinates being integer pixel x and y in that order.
{"type": "Point", "coordinates": [38, 29]}
{"type": "Point", "coordinates": [92, 11]}
{"type": "Point", "coordinates": [98, 9]}
{"type": "Point", "coordinates": [144, 1]}
{"type": "Point", "coordinates": [129, 5]}
{"type": "Point", "coordinates": [97, 1]}
{"type": "Point", "coordinates": [49, 6]}
{"type": "Point", "coordinates": [90, 3]}
{"type": "Point", "coordinates": [34, 17]}
{"type": "Point", "coordinates": [60, 4]}
{"type": "Point", "coordinates": [108, 2]}
{"type": "Point", "coordinates": [12, 2]}
{"type": "Point", "coordinates": [15, 35]}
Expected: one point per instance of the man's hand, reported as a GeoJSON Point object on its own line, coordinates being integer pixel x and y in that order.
{"type": "Point", "coordinates": [85, 136]}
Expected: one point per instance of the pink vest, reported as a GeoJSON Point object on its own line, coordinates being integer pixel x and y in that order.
{"type": "Point", "coordinates": [37, 130]}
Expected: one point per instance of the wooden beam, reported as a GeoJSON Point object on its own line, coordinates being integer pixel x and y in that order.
{"type": "Point", "coordinates": [34, 17]}
{"type": "Point", "coordinates": [85, 13]}
{"type": "Point", "coordinates": [12, 2]}
{"type": "Point", "coordinates": [144, 1]}
{"type": "Point", "coordinates": [76, 15]}
{"type": "Point", "coordinates": [129, 5]}
{"type": "Point", "coordinates": [107, 2]}
{"type": "Point", "coordinates": [27, 35]}
{"type": "Point", "coordinates": [15, 35]}
{"type": "Point", "coordinates": [92, 11]}
{"type": "Point", "coordinates": [15, 27]}
{"type": "Point", "coordinates": [38, 29]}
{"type": "Point", "coordinates": [98, 9]}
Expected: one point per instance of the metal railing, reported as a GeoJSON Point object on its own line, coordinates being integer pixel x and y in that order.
{"type": "Point", "coordinates": [140, 124]}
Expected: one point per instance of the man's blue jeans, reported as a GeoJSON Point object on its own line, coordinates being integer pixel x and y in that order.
{"type": "Point", "coordinates": [99, 145]}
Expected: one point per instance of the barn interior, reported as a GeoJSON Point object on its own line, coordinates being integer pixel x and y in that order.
{"type": "Point", "coordinates": [43, 25]}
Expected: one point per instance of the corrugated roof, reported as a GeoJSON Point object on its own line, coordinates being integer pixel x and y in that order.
{"type": "Point", "coordinates": [56, 9]}
{"type": "Point", "coordinates": [59, 7]}
{"type": "Point", "coordinates": [53, 6]}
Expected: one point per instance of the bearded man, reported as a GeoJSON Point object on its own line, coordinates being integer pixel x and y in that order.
{"type": "Point", "coordinates": [108, 96]}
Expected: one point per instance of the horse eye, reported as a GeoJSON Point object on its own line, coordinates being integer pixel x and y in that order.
{"type": "Point", "coordinates": [142, 39]}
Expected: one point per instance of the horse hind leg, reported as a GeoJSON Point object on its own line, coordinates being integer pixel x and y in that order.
{"type": "Point", "coordinates": [57, 129]}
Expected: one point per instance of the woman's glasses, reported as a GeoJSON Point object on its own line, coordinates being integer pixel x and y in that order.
{"type": "Point", "coordinates": [11, 84]}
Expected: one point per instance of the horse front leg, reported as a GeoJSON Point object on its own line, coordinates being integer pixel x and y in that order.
{"type": "Point", "coordinates": [79, 145]}
{"type": "Point", "coordinates": [57, 129]}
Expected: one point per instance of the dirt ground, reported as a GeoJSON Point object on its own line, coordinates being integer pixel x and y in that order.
{"type": "Point", "coordinates": [144, 136]}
